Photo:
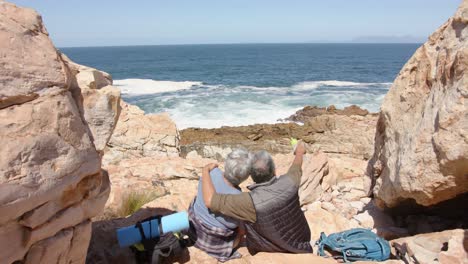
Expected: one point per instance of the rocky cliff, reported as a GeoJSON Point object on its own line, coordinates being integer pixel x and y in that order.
{"type": "Point", "coordinates": [421, 145]}
{"type": "Point", "coordinates": [51, 183]}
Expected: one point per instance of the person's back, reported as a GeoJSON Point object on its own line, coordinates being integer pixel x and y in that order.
{"type": "Point", "coordinates": [274, 219]}
{"type": "Point", "coordinates": [201, 211]}
{"type": "Point", "coordinates": [214, 233]}
{"type": "Point", "coordinates": [281, 225]}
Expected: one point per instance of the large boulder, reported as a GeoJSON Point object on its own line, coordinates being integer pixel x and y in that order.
{"type": "Point", "coordinates": [446, 247]}
{"type": "Point", "coordinates": [27, 69]}
{"type": "Point", "coordinates": [138, 135]}
{"type": "Point", "coordinates": [51, 182]}
{"type": "Point", "coordinates": [318, 174]}
{"type": "Point", "coordinates": [421, 144]}
{"type": "Point", "coordinates": [97, 99]}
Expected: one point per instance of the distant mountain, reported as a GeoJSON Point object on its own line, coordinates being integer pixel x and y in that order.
{"type": "Point", "coordinates": [389, 39]}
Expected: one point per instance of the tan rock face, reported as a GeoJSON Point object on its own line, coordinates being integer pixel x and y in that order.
{"type": "Point", "coordinates": [349, 132]}
{"type": "Point", "coordinates": [26, 69]}
{"type": "Point", "coordinates": [97, 99]}
{"type": "Point", "coordinates": [440, 247]}
{"type": "Point", "coordinates": [170, 176]}
{"type": "Point", "coordinates": [51, 183]}
{"type": "Point", "coordinates": [139, 135]}
{"type": "Point", "coordinates": [421, 148]}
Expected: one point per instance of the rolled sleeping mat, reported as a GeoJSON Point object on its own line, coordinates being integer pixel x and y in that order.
{"type": "Point", "coordinates": [130, 235]}
{"type": "Point", "coordinates": [175, 222]}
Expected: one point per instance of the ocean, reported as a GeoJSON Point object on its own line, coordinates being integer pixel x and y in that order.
{"type": "Point", "coordinates": [211, 86]}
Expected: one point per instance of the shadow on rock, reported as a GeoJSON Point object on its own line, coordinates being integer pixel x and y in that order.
{"type": "Point", "coordinates": [104, 247]}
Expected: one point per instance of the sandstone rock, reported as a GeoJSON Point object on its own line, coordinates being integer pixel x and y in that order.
{"type": "Point", "coordinates": [98, 101]}
{"type": "Point", "coordinates": [421, 149]}
{"type": "Point", "coordinates": [154, 173]}
{"type": "Point", "coordinates": [50, 250]}
{"type": "Point", "coordinates": [358, 205]}
{"type": "Point", "coordinates": [321, 220]}
{"type": "Point", "coordinates": [51, 183]}
{"type": "Point", "coordinates": [328, 206]}
{"type": "Point", "coordinates": [436, 247]}
{"type": "Point", "coordinates": [68, 246]}
{"type": "Point", "coordinates": [317, 176]}
{"type": "Point", "coordinates": [101, 111]}
{"type": "Point", "coordinates": [139, 135]}
{"type": "Point", "coordinates": [193, 155]}
{"type": "Point", "coordinates": [48, 151]}
{"type": "Point", "coordinates": [80, 242]}
{"type": "Point", "coordinates": [457, 251]}
{"type": "Point", "coordinates": [30, 63]}
{"type": "Point", "coordinates": [89, 78]}
{"type": "Point", "coordinates": [374, 218]}
{"type": "Point", "coordinates": [309, 112]}
{"type": "Point", "coordinates": [348, 135]}
{"type": "Point", "coordinates": [214, 152]}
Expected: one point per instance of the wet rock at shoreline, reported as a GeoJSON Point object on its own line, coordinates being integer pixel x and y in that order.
{"type": "Point", "coordinates": [308, 112]}
{"type": "Point", "coordinates": [349, 132]}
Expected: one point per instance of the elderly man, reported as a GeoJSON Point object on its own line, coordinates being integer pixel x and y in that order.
{"type": "Point", "coordinates": [274, 219]}
{"type": "Point", "coordinates": [216, 234]}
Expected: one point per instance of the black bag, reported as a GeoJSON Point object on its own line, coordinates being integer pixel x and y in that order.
{"type": "Point", "coordinates": [154, 250]}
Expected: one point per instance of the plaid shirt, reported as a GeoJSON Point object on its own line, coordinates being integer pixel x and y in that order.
{"type": "Point", "coordinates": [216, 242]}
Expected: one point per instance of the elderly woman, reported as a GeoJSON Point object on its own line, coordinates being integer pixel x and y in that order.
{"type": "Point", "coordinates": [217, 234]}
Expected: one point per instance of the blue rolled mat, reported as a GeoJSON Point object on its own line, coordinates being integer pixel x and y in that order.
{"type": "Point", "coordinates": [175, 222]}
{"type": "Point", "coordinates": [130, 235]}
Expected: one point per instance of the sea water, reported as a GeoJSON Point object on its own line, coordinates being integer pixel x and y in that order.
{"type": "Point", "coordinates": [240, 84]}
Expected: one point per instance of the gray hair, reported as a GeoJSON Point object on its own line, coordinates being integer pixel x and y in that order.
{"type": "Point", "coordinates": [263, 167]}
{"type": "Point", "coordinates": [237, 166]}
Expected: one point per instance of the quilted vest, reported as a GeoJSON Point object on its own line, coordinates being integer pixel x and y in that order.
{"type": "Point", "coordinates": [281, 225]}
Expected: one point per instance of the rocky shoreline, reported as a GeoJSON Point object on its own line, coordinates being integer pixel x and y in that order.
{"type": "Point", "coordinates": [349, 132]}
{"type": "Point", "coordinates": [74, 149]}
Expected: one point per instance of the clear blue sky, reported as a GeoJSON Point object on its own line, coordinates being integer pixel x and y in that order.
{"type": "Point", "coordinates": [148, 22]}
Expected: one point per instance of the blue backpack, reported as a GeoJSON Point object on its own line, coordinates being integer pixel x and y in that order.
{"type": "Point", "coordinates": [355, 244]}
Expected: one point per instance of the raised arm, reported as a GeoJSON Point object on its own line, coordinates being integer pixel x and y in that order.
{"type": "Point", "coordinates": [239, 206]}
{"type": "Point", "coordinates": [207, 185]}
{"type": "Point", "coordinates": [295, 171]}
{"type": "Point", "coordinates": [299, 152]}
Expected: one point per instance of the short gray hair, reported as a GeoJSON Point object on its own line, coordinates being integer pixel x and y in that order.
{"type": "Point", "coordinates": [237, 166]}
{"type": "Point", "coordinates": [263, 167]}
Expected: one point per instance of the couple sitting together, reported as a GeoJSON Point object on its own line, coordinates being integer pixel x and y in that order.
{"type": "Point", "coordinates": [269, 215]}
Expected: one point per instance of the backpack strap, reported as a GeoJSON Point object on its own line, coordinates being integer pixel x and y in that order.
{"type": "Point", "coordinates": [383, 247]}
{"type": "Point", "coordinates": [142, 232]}
{"type": "Point", "coordinates": [148, 242]}
{"type": "Point", "coordinates": [321, 244]}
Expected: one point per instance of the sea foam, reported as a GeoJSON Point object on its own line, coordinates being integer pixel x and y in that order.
{"type": "Point", "coordinates": [216, 105]}
{"type": "Point", "coordinates": [148, 86]}
{"type": "Point", "coordinates": [333, 83]}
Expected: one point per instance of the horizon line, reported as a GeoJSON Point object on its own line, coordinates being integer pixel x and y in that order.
{"type": "Point", "coordinates": [240, 43]}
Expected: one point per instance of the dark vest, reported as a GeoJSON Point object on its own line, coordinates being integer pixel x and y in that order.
{"type": "Point", "coordinates": [281, 225]}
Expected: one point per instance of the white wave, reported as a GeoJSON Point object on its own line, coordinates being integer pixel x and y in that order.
{"type": "Point", "coordinates": [228, 114]}
{"type": "Point", "coordinates": [212, 106]}
{"type": "Point", "coordinates": [148, 86]}
{"type": "Point", "coordinates": [302, 86]}
{"type": "Point", "coordinates": [309, 85]}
